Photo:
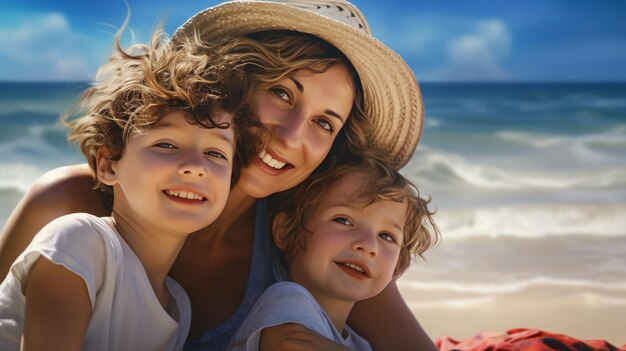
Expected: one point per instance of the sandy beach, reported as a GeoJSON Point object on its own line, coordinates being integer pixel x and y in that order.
{"type": "Point", "coordinates": [568, 285]}
{"type": "Point", "coordinates": [582, 317]}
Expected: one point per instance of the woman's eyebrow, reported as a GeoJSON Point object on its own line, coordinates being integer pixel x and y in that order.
{"type": "Point", "coordinates": [336, 115]}
{"type": "Point", "coordinates": [300, 88]}
{"type": "Point", "coordinates": [298, 84]}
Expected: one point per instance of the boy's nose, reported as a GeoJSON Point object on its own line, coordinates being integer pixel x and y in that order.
{"type": "Point", "coordinates": [366, 243]}
{"type": "Point", "coordinates": [193, 166]}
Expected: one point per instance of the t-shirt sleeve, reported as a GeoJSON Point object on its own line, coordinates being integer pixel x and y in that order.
{"type": "Point", "coordinates": [283, 302]}
{"type": "Point", "coordinates": [75, 241]}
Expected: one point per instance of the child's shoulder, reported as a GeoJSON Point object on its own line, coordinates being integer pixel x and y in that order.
{"type": "Point", "coordinates": [284, 294]}
{"type": "Point", "coordinates": [83, 223]}
{"type": "Point", "coordinates": [288, 290]}
{"type": "Point", "coordinates": [75, 235]}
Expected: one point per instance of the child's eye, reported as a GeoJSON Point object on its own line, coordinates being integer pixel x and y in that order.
{"type": "Point", "coordinates": [165, 145]}
{"type": "Point", "coordinates": [217, 154]}
{"type": "Point", "coordinates": [387, 237]}
{"type": "Point", "coordinates": [281, 93]}
{"type": "Point", "coordinates": [325, 124]}
{"type": "Point", "coordinates": [342, 220]}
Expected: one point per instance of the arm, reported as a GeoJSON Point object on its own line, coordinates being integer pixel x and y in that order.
{"type": "Point", "coordinates": [295, 337]}
{"type": "Point", "coordinates": [388, 324]}
{"type": "Point", "coordinates": [58, 308]}
{"type": "Point", "coordinates": [59, 192]}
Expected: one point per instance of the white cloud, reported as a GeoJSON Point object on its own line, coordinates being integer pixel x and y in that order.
{"type": "Point", "coordinates": [45, 47]}
{"type": "Point", "coordinates": [478, 55]}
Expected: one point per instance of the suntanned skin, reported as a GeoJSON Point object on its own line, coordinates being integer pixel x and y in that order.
{"type": "Point", "coordinates": [209, 259]}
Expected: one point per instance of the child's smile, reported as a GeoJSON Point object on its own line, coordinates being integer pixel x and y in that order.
{"type": "Point", "coordinates": [352, 250]}
{"type": "Point", "coordinates": [175, 176]}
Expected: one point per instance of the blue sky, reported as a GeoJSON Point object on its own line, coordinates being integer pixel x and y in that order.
{"type": "Point", "coordinates": [442, 40]}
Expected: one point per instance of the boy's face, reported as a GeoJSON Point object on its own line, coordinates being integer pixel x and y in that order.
{"type": "Point", "coordinates": [176, 175]}
{"type": "Point", "coordinates": [352, 252]}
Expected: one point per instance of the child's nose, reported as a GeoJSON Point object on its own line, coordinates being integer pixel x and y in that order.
{"type": "Point", "coordinates": [193, 165]}
{"type": "Point", "coordinates": [365, 242]}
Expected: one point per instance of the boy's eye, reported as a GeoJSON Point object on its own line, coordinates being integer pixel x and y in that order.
{"type": "Point", "coordinates": [165, 145]}
{"type": "Point", "coordinates": [281, 93]}
{"type": "Point", "coordinates": [325, 124]}
{"type": "Point", "coordinates": [387, 237]}
{"type": "Point", "coordinates": [342, 220]}
{"type": "Point", "coordinates": [216, 154]}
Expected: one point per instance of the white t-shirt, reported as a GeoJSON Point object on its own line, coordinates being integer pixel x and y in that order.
{"type": "Point", "coordinates": [288, 302]}
{"type": "Point", "coordinates": [126, 314]}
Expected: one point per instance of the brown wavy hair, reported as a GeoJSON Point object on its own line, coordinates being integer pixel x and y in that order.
{"type": "Point", "coordinates": [138, 86]}
{"type": "Point", "coordinates": [269, 56]}
{"type": "Point", "coordinates": [382, 183]}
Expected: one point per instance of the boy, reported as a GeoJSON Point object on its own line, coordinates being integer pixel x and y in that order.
{"type": "Point", "coordinates": [344, 234]}
{"type": "Point", "coordinates": [158, 131]}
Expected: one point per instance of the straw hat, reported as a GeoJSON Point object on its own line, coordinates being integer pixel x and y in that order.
{"type": "Point", "coordinates": [393, 100]}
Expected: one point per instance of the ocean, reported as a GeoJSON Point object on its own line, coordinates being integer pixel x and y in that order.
{"type": "Point", "coordinates": [529, 183]}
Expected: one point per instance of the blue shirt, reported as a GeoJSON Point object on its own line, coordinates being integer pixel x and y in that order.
{"type": "Point", "coordinates": [265, 270]}
{"type": "Point", "coordinates": [288, 302]}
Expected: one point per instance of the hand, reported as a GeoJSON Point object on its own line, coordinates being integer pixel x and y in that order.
{"type": "Point", "coordinates": [295, 337]}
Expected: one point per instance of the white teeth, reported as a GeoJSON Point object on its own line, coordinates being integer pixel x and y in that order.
{"type": "Point", "coordinates": [270, 161]}
{"type": "Point", "coordinates": [184, 194]}
{"type": "Point", "coordinates": [355, 267]}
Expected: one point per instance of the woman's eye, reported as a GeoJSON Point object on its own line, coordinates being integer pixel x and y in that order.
{"type": "Point", "coordinates": [342, 220]}
{"type": "Point", "coordinates": [216, 154]}
{"type": "Point", "coordinates": [325, 124]}
{"type": "Point", "coordinates": [281, 93]}
{"type": "Point", "coordinates": [387, 237]}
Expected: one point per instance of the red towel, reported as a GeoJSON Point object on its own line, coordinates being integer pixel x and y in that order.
{"type": "Point", "coordinates": [523, 339]}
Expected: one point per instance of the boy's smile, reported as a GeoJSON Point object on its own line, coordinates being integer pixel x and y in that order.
{"type": "Point", "coordinates": [352, 250]}
{"type": "Point", "coordinates": [175, 176]}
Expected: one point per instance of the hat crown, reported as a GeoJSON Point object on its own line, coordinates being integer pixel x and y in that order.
{"type": "Point", "coordinates": [338, 10]}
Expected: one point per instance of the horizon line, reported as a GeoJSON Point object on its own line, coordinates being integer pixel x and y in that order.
{"type": "Point", "coordinates": [420, 81]}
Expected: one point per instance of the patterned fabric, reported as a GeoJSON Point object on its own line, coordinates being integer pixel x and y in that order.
{"type": "Point", "coordinates": [523, 339]}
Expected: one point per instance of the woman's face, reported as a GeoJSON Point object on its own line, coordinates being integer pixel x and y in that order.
{"type": "Point", "coordinates": [304, 113]}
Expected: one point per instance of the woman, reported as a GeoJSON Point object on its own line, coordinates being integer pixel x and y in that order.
{"type": "Point", "coordinates": [311, 97]}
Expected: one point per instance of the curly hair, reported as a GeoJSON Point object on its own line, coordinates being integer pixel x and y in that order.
{"type": "Point", "coordinates": [137, 87]}
{"type": "Point", "coordinates": [382, 183]}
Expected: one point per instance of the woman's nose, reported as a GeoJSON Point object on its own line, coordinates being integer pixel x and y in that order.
{"type": "Point", "coordinates": [290, 131]}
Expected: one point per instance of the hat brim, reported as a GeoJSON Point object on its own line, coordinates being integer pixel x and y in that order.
{"type": "Point", "coordinates": [393, 100]}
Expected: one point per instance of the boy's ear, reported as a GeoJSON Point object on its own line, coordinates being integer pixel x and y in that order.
{"type": "Point", "coordinates": [105, 167]}
{"type": "Point", "coordinates": [278, 230]}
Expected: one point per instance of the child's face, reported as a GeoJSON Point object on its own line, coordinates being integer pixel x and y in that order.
{"type": "Point", "coordinates": [352, 251]}
{"type": "Point", "coordinates": [175, 175]}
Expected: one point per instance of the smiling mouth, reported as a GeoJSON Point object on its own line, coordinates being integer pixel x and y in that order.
{"type": "Point", "coordinates": [270, 161]}
{"type": "Point", "coordinates": [189, 195]}
{"type": "Point", "coordinates": [354, 269]}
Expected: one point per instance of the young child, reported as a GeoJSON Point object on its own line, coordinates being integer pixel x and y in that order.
{"type": "Point", "coordinates": [158, 128]}
{"type": "Point", "coordinates": [345, 234]}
